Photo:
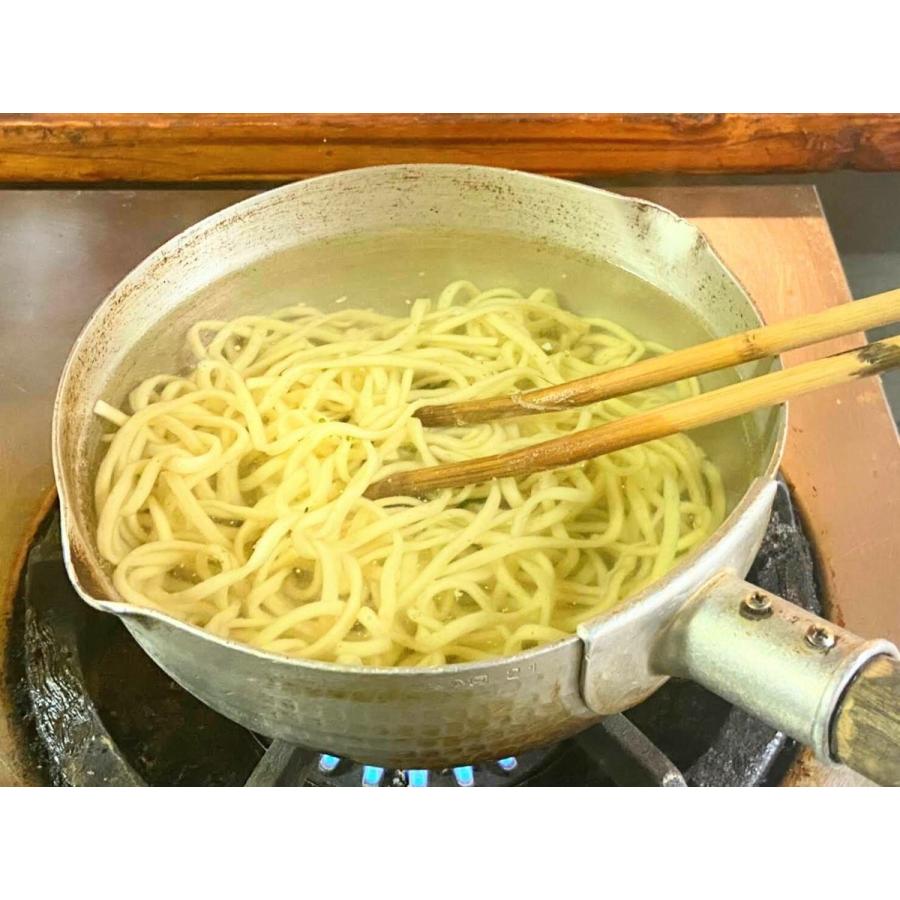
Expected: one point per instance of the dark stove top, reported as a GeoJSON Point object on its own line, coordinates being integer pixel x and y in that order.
{"type": "Point", "coordinates": [96, 711]}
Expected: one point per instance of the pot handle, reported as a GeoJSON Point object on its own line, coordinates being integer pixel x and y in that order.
{"type": "Point", "coordinates": [806, 676]}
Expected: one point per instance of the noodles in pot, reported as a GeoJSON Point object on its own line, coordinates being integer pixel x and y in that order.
{"type": "Point", "coordinates": [231, 497]}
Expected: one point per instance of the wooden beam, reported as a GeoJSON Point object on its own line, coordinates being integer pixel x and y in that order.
{"type": "Point", "coordinates": [254, 148]}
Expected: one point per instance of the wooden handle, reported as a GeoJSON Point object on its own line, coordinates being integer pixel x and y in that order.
{"type": "Point", "coordinates": [866, 731]}
{"type": "Point", "coordinates": [725, 403]}
{"type": "Point", "coordinates": [848, 318]}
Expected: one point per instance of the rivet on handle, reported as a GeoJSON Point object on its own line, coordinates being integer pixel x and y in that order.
{"type": "Point", "coordinates": [756, 606]}
{"type": "Point", "coordinates": [820, 638]}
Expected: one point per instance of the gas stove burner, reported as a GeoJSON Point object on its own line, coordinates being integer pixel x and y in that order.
{"type": "Point", "coordinates": [614, 751]}
{"type": "Point", "coordinates": [96, 711]}
{"type": "Point", "coordinates": [284, 764]}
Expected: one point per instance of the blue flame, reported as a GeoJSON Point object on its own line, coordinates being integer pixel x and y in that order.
{"type": "Point", "coordinates": [328, 763]}
{"type": "Point", "coordinates": [371, 776]}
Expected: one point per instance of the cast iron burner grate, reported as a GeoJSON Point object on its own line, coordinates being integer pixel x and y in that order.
{"type": "Point", "coordinates": [96, 711]}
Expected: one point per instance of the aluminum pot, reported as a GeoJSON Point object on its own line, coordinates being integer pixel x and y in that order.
{"type": "Point", "coordinates": [401, 231]}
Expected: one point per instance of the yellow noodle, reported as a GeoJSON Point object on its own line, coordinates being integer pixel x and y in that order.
{"type": "Point", "coordinates": [232, 497]}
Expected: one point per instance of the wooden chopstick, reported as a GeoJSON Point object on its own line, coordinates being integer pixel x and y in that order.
{"type": "Point", "coordinates": [758, 343]}
{"type": "Point", "coordinates": [724, 403]}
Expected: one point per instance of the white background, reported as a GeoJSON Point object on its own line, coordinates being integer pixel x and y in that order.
{"type": "Point", "coordinates": [460, 56]}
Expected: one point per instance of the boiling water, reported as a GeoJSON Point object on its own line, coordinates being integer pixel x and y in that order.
{"type": "Point", "coordinates": [385, 270]}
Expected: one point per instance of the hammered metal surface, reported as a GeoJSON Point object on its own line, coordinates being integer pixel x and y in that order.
{"type": "Point", "coordinates": [390, 718]}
